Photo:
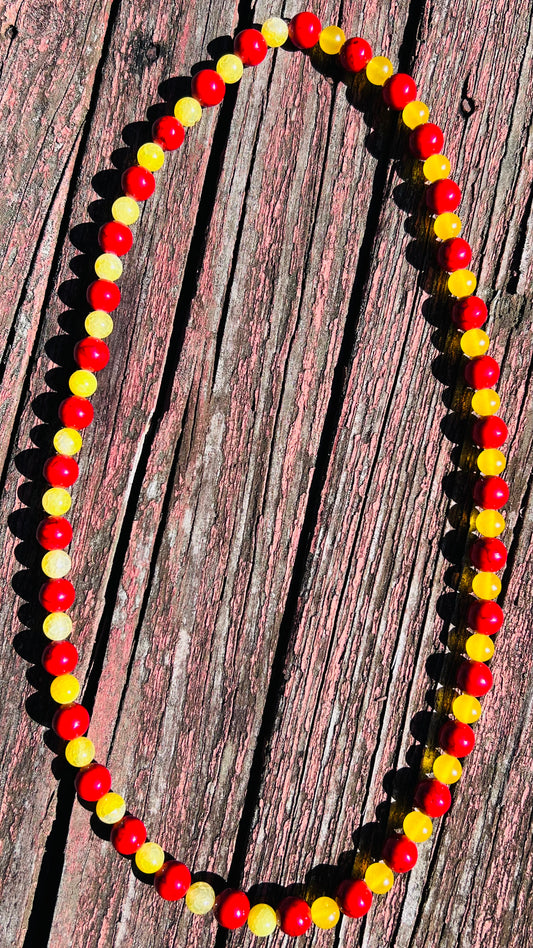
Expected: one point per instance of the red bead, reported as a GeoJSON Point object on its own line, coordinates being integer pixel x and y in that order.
{"type": "Point", "coordinates": [456, 738]}
{"type": "Point", "coordinates": [443, 195]}
{"type": "Point", "coordinates": [474, 678]}
{"type": "Point", "coordinates": [92, 782]}
{"type": "Point", "coordinates": [61, 470]}
{"type": "Point", "coordinates": [208, 87]}
{"type": "Point", "coordinates": [454, 254]}
{"type": "Point", "coordinates": [484, 616]}
{"type": "Point", "coordinates": [433, 797]}
{"type": "Point", "coordinates": [490, 432]}
{"type": "Point", "coordinates": [91, 353]}
{"type": "Point", "coordinates": [425, 140]}
{"type": "Point", "coordinates": [103, 294]}
{"type": "Point", "coordinates": [54, 533]}
{"type": "Point", "coordinates": [128, 835]}
{"type": "Point", "coordinates": [168, 133]}
{"type": "Point", "coordinates": [469, 313]}
{"type": "Point", "coordinates": [232, 908]}
{"type": "Point", "coordinates": [354, 898]}
{"type": "Point", "coordinates": [173, 880]}
{"type": "Point", "coordinates": [76, 412]}
{"type": "Point", "coordinates": [115, 237]}
{"type": "Point", "coordinates": [138, 183]}
{"type": "Point", "coordinates": [399, 90]}
{"type": "Point", "coordinates": [294, 916]}
{"type": "Point", "coordinates": [400, 853]}
{"type": "Point", "coordinates": [482, 372]}
{"type": "Point", "coordinates": [250, 46]}
{"type": "Point", "coordinates": [355, 54]}
{"type": "Point", "coordinates": [304, 30]}
{"type": "Point", "coordinates": [488, 554]}
{"type": "Point", "coordinates": [491, 493]}
{"type": "Point", "coordinates": [70, 721]}
{"type": "Point", "coordinates": [59, 658]}
{"type": "Point", "coordinates": [57, 595]}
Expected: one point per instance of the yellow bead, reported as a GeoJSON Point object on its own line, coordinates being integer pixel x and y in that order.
{"type": "Point", "coordinates": [490, 523]}
{"type": "Point", "coordinates": [436, 167]}
{"type": "Point", "coordinates": [150, 857]}
{"type": "Point", "coordinates": [67, 441]}
{"type": "Point", "coordinates": [378, 70]}
{"type": "Point", "coordinates": [108, 266]}
{"type": "Point", "coordinates": [331, 39]}
{"type": "Point", "coordinates": [325, 912]}
{"type": "Point", "coordinates": [151, 156]}
{"type": "Point", "coordinates": [486, 585]}
{"type": "Point", "coordinates": [99, 324]}
{"type": "Point", "coordinates": [415, 113]}
{"type": "Point", "coordinates": [417, 826]}
{"type": "Point", "coordinates": [491, 461]}
{"type": "Point", "coordinates": [110, 808]}
{"type": "Point", "coordinates": [83, 383]}
{"type": "Point", "coordinates": [462, 283]}
{"type": "Point", "coordinates": [56, 564]}
{"type": "Point", "coordinates": [188, 111]}
{"type": "Point", "coordinates": [447, 225]}
{"type": "Point", "coordinates": [480, 648]}
{"type": "Point", "coordinates": [379, 878]}
{"type": "Point", "coordinates": [262, 919]}
{"type": "Point", "coordinates": [485, 401]}
{"type": "Point", "coordinates": [64, 689]}
{"type": "Point", "coordinates": [200, 897]}
{"type": "Point", "coordinates": [57, 626]}
{"type": "Point", "coordinates": [275, 31]}
{"type": "Point", "coordinates": [125, 210]}
{"type": "Point", "coordinates": [56, 501]}
{"type": "Point", "coordinates": [447, 769]}
{"type": "Point", "coordinates": [79, 752]}
{"type": "Point", "coordinates": [230, 67]}
{"type": "Point", "coordinates": [474, 342]}
{"type": "Point", "coordinates": [466, 709]}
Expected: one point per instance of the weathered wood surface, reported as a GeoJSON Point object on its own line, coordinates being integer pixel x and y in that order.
{"type": "Point", "coordinates": [270, 518]}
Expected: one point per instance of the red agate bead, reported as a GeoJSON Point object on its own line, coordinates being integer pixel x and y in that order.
{"type": "Point", "coordinates": [354, 898]}
{"type": "Point", "coordinates": [400, 853]}
{"type": "Point", "coordinates": [70, 721]}
{"type": "Point", "coordinates": [60, 658]}
{"type": "Point", "coordinates": [138, 183]}
{"type": "Point", "coordinates": [426, 140]}
{"type": "Point", "coordinates": [93, 782]}
{"type": "Point", "coordinates": [491, 493]}
{"type": "Point", "coordinates": [443, 195]}
{"type": "Point", "coordinates": [469, 313]}
{"type": "Point", "coordinates": [232, 908]}
{"type": "Point", "coordinates": [484, 616]}
{"type": "Point", "coordinates": [57, 595]}
{"type": "Point", "coordinates": [207, 87]}
{"type": "Point", "coordinates": [454, 254]}
{"type": "Point", "coordinates": [172, 880]}
{"type": "Point", "coordinates": [433, 797]}
{"type": "Point", "coordinates": [304, 30]}
{"type": "Point", "coordinates": [54, 533]}
{"type": "Point", "coordinates": [128, 835]}
{"type": "Point", "coordinates": [61, 470]}
{"type": "Point", "coordinates": [355, 54]}
{"type": "Point", "coordinates": [456, 738]}
{"type": "Point", "coordinates": [103, 294]}
{"type": "Point", "coordinates": [488, 554]}
{"type": "Point", "coordinates": [250, 46]}
{"type": "Point", "coordinates": [294, 916]}
{"type": "Point", "coordinates": [91, 354]}
{"type": "Point", "coordinates": [168, 133]}
{"type": "Point", "coordinates": [490, 432]}
{"type": "Point", "coordinates": [115, 237]}
{"type": "Point", "coordinates": [76, 412]}
{"type": "Point", "coordinates": [482, 372]}
{"type": "Point", "coordinates": [399, 90]}
{"type": "Point", "coordinates": [474, 678]}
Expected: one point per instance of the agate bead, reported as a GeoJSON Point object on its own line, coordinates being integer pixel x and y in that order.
{"type": "Point", "coordinates": [456, 738]}
{"type": "Point", "coordinates": [61, 470]}
{"type": "Point", "coordinates": [355, 54]}
{"type": "Point", "coordinates": [262, 920]}
{"type": "Point", "coordinates": [354, 898]}
{"type": "Point", "coordinates": [59, 658]}
{"type": "Point", "coordinates": [137, 183]}
{"type": "Point", "coordinates": [92, 782]}
{"type": "Point", "coordinates": [250, 46]}
{"type": "Point", "coordinates": [168, 133]}
{"type": "Point", "coordinates": [454, 254]}
{"type": "Point", "coordinates": [489, 555]}
{"type": "Point", "coordinates": [54, 533]}
{"type": "Point", "coordinates": [232, 908]}
{"type": "Point", "coordinates": [433, 797]}
{"type": "Point", "coordinates": [484, 617]}
{"type": "Point", "coordinates": [172, 880]}
{"type": "Point", "coordinates": [103, 294]}
{"type": "Point", "coordinates": [91, 354]}
{"type": "Point", "coordinates": [379, 878]}
{"type": "Point", "coordinates": [200, 898]}
{"type": "Point", "coordinates": [294, 916]}
{"type": "Point", "coordinates": [208, 87]}
{"type": "Point", "coordinates": [275, 31]}
{"type": "Point", "coordinates": [57, 595]}
{"type": "Point", "coordinates": [469, 313]}
{"type": "Point", "coordinates": [426, 140]}
{"type": "Point", "coordinates": [70, 721]}
{"type": "Point", "coordinates": [400, 853]}
{"type": "Point", "coordinates": [128, 835]}
{"type": "Point", "coordinates": [76, 412]}
{"type": "Point", "coordinates": [115, 237]}
{"type": "Point", "coordinates": [474, 678]}
{"type": "Point", "coordinates": [482, 372]}
{"type": "Point", "coordinates": [325, 912]}
{"type": "Point", "coordinates": [398, 91]}
{"type": "Point", "coordinates": [443, 195]}
{"type": "Point", "coordinates": [304, 30]}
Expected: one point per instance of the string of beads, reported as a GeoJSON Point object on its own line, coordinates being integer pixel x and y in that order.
{"type": "Point", "coordinates": [432, 798]}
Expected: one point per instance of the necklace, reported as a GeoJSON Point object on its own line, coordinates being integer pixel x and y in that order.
{"type": "Point", "coordinates": [487, 554]}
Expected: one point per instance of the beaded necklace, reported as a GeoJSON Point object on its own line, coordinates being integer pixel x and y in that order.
{"type": "Point", "coordinates": [487, 554]}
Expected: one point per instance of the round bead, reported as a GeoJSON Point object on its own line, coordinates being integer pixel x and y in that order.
{"type": "Point", "coordinates": [454, 254]}
{"type": "Point", "coordinates": [474, 342]}
{"type": "Point", "coordinates": [61, 470]}
{"type": "Point", "coordinates": [54, 533]}
{"type": "Point", "coordinates": [456, 739]}
{"type": "Point", "coordinates": [76, 412]}
{"type": "Point", "coordinates": [200, 898]}
{"type": "Point", "coordinates": [354, 898]}
{"type": "Point", "coordinates": [433, 797]}
{"type": "Point", "coordinates": [208, 87]}
{"type": "Point", "coordinates": [67, 440]}
{"type": "Point", "coordinates": [168, 133]}
{"type": "Point", "coordinates": [379, 878]}
{"type": "Point", "coordinates": [417, 826]}
{"type": "Point", "coordinates": [482, 372]}
{"type": "Point", "coordinates": [115, 238]}
{"type": "Point", "coordinates": [355, 54]}
{"type": "Point", "coordinates": [480, 648]}
{"type": "Point", "coordinates": [488, 555]}
{"type": "Point", "coordinates": [57, 595]}
{"type": "Point", "coordinates": [331, 40]}
{"type": "Point", "coordinates": [65, 689]}
{"type": "Point", "coordinates": [149, 858]}
{"type": "Point", "coordinates": [474, 678]}
{"type": "Point", "coordinates": [466, 708]}
{"type": "Point", "coordinates": [447, 768]}
{"type": "Point", "coordinates": [57, 626]}
{"type": "Point", "coordinates": [108, 266]}
{"type": "Point", "coordinates": [138, 183]}
{"type": "Point", "coordinates": [250, 46]}
{"type": "Point", "coordinates": [294, 916]}
{"type": "Point", "coordinates": [232, 908]}
{"type": "Point", "coordinates": [426, 140]}
{"type": "Point", "coordinates": [92, 782]}
{"type": "Point", "coordinates": [486, 586]}
{"type": "Point", "coordinates": [110, 808]}
{"type": "Point", "coordinates": [172, 880]}
{"type": "Point", "coordinates": [325, 912]}
{"type": "Point", "coordinates": [71, 721]}
{"type": "Point", "coordinates": [91, 354]}
{"type": "Point", "coordinates": [79, 752]}
{"type": "Point", "coordinates": [188, 111]}
{"type": "Point", "coordinates": [103, 294]}
{"type": "Point", "coordinates": [275, 31]}
{"type": "Point", "coordinates": [491, 462]}
{"type": "Point", "coordinates": [469, 313]}
{"type": "Point", "coordinates": [59, 658]}
{"type": "Point", "coordinates": [463, 283]}
{"type": "Point", "coordinates": [151, 156]}
{"type": "Point", "coordinates": [490, 432]}
{"type": "Point", "coordinates": [447, 225]}
{"type": "Point", "coordinates": [400, 853]}
{"type": "Point", "coordinates": [399, 90]}
{"type": "Point", "coordinates": [82, 383]}
{"type": "Point", "coordinates": [490, 523]}
{"type": "Point", "coordinates": [436, 167]}
{"type": "Point", "coordinates": [490, 492]}
{"type": "Point", "coordinates": [484, 617]}
{"type": "Point", "coordinates": [442, 196]}
{"type": "Point", "coordinates": [55, 564]}
{"type": "Point", "coordinates": [262, 920]}
{"type": "Point", "coordinates": [378, 70]}
{"type": "Point", "coordinates": [56, 501]}
{"type": "Point", "coordinates": [98, 324]}
{"type": "Point", "coordinates": [485, 402]}
{"type": "Point", "coordinates": [125, 211]}
{"type": "Point", "coordinates": [230, 67]}
{"type": "Point", "coordinates": [304, 30]}
{"type": "Point", "coordinates": [128, 835]}
{"type": "Point", "coordinates": [415, 113]}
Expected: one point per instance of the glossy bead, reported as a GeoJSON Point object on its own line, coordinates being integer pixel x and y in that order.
{"type": "Point", "coordinates": [172, 880]}
{"type": "Point", "coordinates": [151, 156]}
{"type": "Point", "coordinates": [230, 67]}
{"type": "Point", "coordinates": [433, 797]}
{"type": "Point", "coordinates": [110, 808]}
{"type": "Point", "coordinates": [304, 30]}
{"type": "Point", "coordinates": [443, 196]}
{"type": "Point", "coordinates": [200, 898]}
{"type": "Point", "coordinates": [474, 678]}
{"type": "Point", "coordinates": [354, 898]}
{"type": "Point", "coordinates": [57, 626]}
{"type": "Point", "coordinates": [57, 595]}
{"type": "Point", "coordinates": [128, 835]}
{"type": "Point", "coordinates": [491, 462]}
{"type": "Point", "coordinates": [188, 111]}
{"type": "Point", "coordinates": [454, 254]}
{"type": "Point", "coordinates": [168, 133]}
{"type": "Point", "coordinates": [378, 70]}
{"type": "Point", "coordinates": [67, 440]}
{"type": "Point", "coordinates": [400, 853]}
{"type": "Point", "coordinates": [480, 648]}
{"type": "Point", "coordinates": [71, 721]}
{"type": "Point", "coordinates": [108, 266]}
{"type": "Point", "coordinates": [447, 225]}
{"type": "Point", "coordinates": [275, 31]}
{"type": "Point", "coordinates": [61, 470]}
{"type": "Point", "coordinates": [466, 708]}
{"type": "Point", "coordinates": [232, 908]}
{"type": "Point", "coordinates": [398, 91]}
{"type": "Point", "coordinates": [76, 413]}
{"type": "Point", "coordinates": [456, 738]}
{"type": "Point", "coordinates": [426, 140]}
{"type": "Point", "coordinates": [82, 383]}
{"type": "Point", "coordinates": [447, 768]}
{"type": "Point", "coordinates": [484, 617]}
{"type": "Point", "coordinates": [98, 324]}
{"type": "Point", "coordinates": [103, 294]}
{"type": "Point", "coordinates": [59, 658]}
{"type": "Point", "coordinates": [125, 211]}
{"type": "Point", "coordinates": [56, 501]}
{"type": "Point", "coordinates": [463, 283]}
{"type": "Point", "coordinates": [115, 238]}
{"type": "Point", "coordinates": [250, 46]}
{"type": "Point", "coordinates": [54, 533]}
{"type": "Point", "coordinates": [488, 554]}
{"type": "Point", "coordinates": [482, 372]}
{"type": "Point", "coordinates": [65, 689]}
{"type": "Point", "coordinates": [415, 113]}
{"type": "Point", "coordinates": [474, 342]}
{"type": "Point", "coordinates": [469, 313]}
{"type": "Point", "coordinates": [149, 858]}
{"type": "Point", "coordinates": [262, 920]}
{"type": "Point", "coordinates": [490, 523]}
{"type": "Point", "coordinates": [55, 564]}
{"type": "Point", "coordinates": [208, 87]}
{"type": "Point", "coordinates": [325, 912]}
{"type": "Point", "coordinates": [490, 432]}
{"type": "Point", "coordinates": [91, 354]}
{"type": "Point", "coordinates": [485, 402]}
{"type": "Point", "coordinates": [331, 41]}
{"type": "Point", "coordinates": [79, 752]}
{"type": "Point", "coordinates": [379, 878]}
{"type": "Point", "coordinates": [417, 826]}
{"type": "Point", "coordinates": [486, 586]}
{"type": "Point", "coordinates": [355, 54]}
{"type": "Point", "coordinates": [294, 916]}
{"type": "Point", "coordinates": [490, 492]}
{"type": "Point", "coordinates": [436, 167]}
{"type": "Point", "coordinates": [92, 782]}
{"type": "Point", "coordinates": [138, 183]}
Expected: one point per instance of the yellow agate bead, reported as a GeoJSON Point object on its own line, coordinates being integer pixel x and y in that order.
{"type": "Point", "coordinates": [466, 709]}
{"type": "Point", "coordinates": [82, 383]}
{"type": "Point", "coordinates": [56, 564]}
{"type": "Point", "coordinates": [200, 897]}
{"type": "Point", "coordinates": [331, 39]}
{"type": "Point", "coordinates": [80, 751]}
{"type": "Point", "coordinates": [415, 113]}
{"type": "Point", "coordinates": [417, 826]}
{"type": "Point", "coordinates": [490, 523]}
{"type": "Point", "coordinates": [188, 111]}
{"type": "Point", "coordinates": [125, 210]}
{"type": "Point", "coordinates": [275, 31]}
{"type": "Point", "coordinates": [480, 648]}
{"type": "Point", "coordinates": [379, 878]}
{"type": "Point", "coordinates": [447, 769]}
{"type": "Point", "coordinates": [474, 342]}
{"type": "Point", "coordinates": [151, 156]}
{"type": "Point", "coordinates": [262, 920]}
{"type": "Point", "coordinates": [56, 501]}
{"type": "Point", "coordinates": [485, 401]}
{"type": "Point", "coordinates": [436, 167]}
{"type": "Point", "coordinates": [108, 267]}
{"type": "Point", "coordinates": [325, 912]}
{"type": "Point", "coordinates": [447, 225]}
{"type": "Point", "coordinates": [491, 461]}
{"type": "Point", "coordinates": [57, 626]}
{"type": "Point", "coordinates": [64, 689]}
{"type": "Point", "coordinates": [230, 67]}
{"type": "Point", "coordinates": [110, 808]}
{"type": "Point", "coordinates": [99, 324]}
{"type": "Point", "coordinates": [150, 857]}
{"type": "Point", "coordinates": [67, 441]}
{"type": "Point", "coordinates": [462, 283]}
{"type": "Point", "coordinates": [378, 70]}
{"type": "Point", "coordinates": [486, 585]}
